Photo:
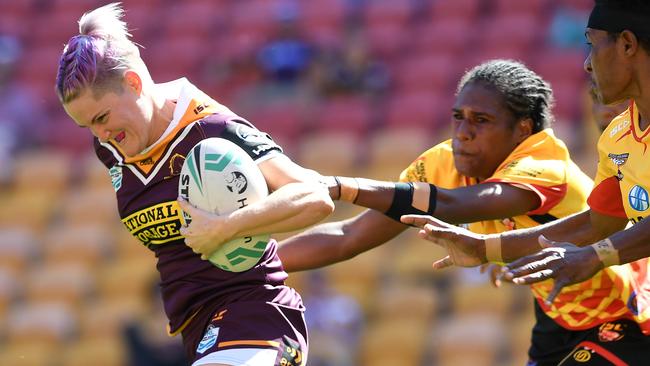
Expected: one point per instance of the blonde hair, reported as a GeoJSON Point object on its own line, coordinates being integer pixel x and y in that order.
{"type": "Point", "coordinates": [98, 55]}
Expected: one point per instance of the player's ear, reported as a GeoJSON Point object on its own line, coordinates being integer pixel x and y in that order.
{"type": "Point", "coordinates": [133, 81]}
{"type": "Point", "coordinates": [630, 42]}
{"type": "Point", "coordinates": [524, 128]}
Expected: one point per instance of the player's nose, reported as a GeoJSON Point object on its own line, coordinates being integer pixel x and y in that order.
{"type": "Point", "coordinates": [102, 134]}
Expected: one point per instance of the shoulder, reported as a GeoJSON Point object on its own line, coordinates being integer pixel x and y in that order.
{"type": "Point", "coordinates": [241, 132]}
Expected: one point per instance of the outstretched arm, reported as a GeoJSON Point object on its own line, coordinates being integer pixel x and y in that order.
{"type": "Point", "coordinates": [334, 242]}
{"type": "Point", "coordinates": [569, 264]}
{"type": "Point", "coordinates": [486, 201]}
{"type": "Point", "coordinates": [338, 241]}
{"type": "Point", "coordinates": [472, 249]}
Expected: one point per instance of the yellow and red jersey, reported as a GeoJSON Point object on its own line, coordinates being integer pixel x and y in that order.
{"type": "Point", "coordinates": [541, 164]}
{"type": "Point", "coordinates": [621, 190]}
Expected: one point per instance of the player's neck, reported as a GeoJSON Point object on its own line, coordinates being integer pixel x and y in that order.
{"type": "Point", "coordinates": [642, 99]}
{"type": "Point", "coordinates": [643, 106]}
{"type": "Point", "coordinates": [162, 116]}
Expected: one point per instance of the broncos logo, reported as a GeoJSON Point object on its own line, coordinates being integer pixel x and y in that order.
{"type": "Point", "coordinates": [175, 165]}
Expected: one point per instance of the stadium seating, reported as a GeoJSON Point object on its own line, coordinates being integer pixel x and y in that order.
{"type": "Point", "coordinates": [482, 334]}
{"type": "Point", "coordinates": [19, 247]}
{"type": "Point", "coordinates": [81, 243]}
{"type": "Point", "coordinates": [106, 319]}
{"type": "Point", "coordinates": [391, 341]}
{"type": "Point", "coordinates": [387, 163]}
{"type": "Point", "coordinates": [71, 275]}
{"type": "Point", "coordinates": [40, 323]}
{"type": "Point", "coordinates": [69, 285]}
{"type": "Point", "coordinates": [330, 153]}
{"type": "Point", "coordinates": [29, 354]}
{"type": "Point", "coordinates": [103, 352]}
{"type": "Point", "coordinates": [10, 290]}
{"type": "Point", "coordinates": [459, 9]}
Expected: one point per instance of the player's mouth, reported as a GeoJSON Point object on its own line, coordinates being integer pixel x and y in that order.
{"type": "Point", "coordinates": [120, 136]}
{"type": "Point", "coordinates": [465, 153]}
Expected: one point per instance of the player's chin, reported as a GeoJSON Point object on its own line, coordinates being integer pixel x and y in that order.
{"type": "Point", "coordinates": [130, 149]}
{"type": "Point", "coordinates": [467, 166]}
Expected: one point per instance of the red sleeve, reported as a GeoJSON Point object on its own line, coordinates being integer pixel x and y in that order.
{"type": "Point", "coordinates": [606, 198]}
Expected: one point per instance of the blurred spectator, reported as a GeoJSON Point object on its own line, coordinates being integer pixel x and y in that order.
{"type": "Point", "coordinates": [566, 29]}
{"type": "Point", "coordinates": [351, 69]}
{"type": "Point", "coordinates": [147, 342]}
{"type": "Point", "coordinates": [334, 321]}
{"type": "Point", "coordinates": [287, 55]}
{"type": "Point", "coordinates": [21, 118]}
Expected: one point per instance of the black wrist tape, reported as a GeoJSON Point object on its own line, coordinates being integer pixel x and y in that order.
{"type": "Point", "coordinates": [403, 201]}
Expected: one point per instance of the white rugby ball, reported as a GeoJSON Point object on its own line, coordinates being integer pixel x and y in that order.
{"type": "Point", "coordinates": [220, 177]}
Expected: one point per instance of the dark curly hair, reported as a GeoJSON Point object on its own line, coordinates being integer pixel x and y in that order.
{"type": "Point", "coordinates": [526, 94]}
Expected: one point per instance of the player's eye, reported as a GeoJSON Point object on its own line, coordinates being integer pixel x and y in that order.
{"type": "Point", "coordinates": [480, 119]}
{"type": "Point", "coordinates": [102, 119]}
{"type": "Point", "coordinates": [457, 116]}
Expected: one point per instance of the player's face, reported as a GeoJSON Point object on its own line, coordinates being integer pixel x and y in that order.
{"type": "Point", "coordinates": [116, 115]}
{"type": "Point", "coordinates": [606, 66]}
{"type": "Point", "coordinates": [485, 131]}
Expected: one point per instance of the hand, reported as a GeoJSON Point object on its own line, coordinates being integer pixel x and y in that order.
{"type": "Point", "coordinates": [333, 186]}
{"type": "Point", "coordinates": [565, 262]}
{"type": "Point", "coordinates": [495, 272]}
{"type": "Point", "coordinates": [207, 231]}
{"type": "Point", "coordinates": [465, 248]}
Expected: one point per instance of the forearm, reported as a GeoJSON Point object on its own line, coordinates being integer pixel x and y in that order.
{"type": "Point", "coordinates": [634, 243]}
{"type": "Point", "coordinates": [578, 229]}
{"type": "Point", "coordinates": [391, 198]}
{"type": "Point", "coordinates": [314, 248]}
{"type": "Point", "coordinates": [334, 242]}
{"type": "Point", "coordinates": [291, 207]}
{"type": "Point", "coordinates": [489, 201]}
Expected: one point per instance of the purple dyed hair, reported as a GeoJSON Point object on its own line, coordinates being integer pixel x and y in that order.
{"type": "Point", "coordinates": [96, 56]}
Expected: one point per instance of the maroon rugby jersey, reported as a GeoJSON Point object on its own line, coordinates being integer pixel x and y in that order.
{"type": "Point", "coordinates": [147, 188]}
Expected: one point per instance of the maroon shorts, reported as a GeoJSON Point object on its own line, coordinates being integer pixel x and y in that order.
{"type": "Point", "coordinates": [275, 334]}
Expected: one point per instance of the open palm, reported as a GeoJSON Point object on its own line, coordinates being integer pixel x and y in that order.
{"type": "Point", "coordinates": [464, 247]}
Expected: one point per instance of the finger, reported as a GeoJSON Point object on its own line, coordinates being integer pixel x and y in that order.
{"type": "Point", "coordinates": [525, 270]}
{"type": "Point", "coordinates": [524, 265]}
{"type": "Point", "coordinates": [434, 237]}
{"type": "Point", "coordinates": [546, 243]}
{"type": "Point", "coordinates": [443, 263]}
{"type": "Point", "coordinates": [185, 205]}
{"type": "Point", "coordinates": [440, 233]}
{"type": "Point", "coordinates": [185, 231]}
{"type": "Point", "coordinates": [494, 276]}
{"type": "Point", "coordinates": [535, 277]}
{"type": "Point", "coordinates": [501, 277]}
{"type": "Point", "coordinates": [559, 285]}
{"type": "Point", "coordinates": [415, 220]}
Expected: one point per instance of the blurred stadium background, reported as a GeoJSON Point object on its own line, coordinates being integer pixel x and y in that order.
{"type": "Point", "coordinates": [348, 87]}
